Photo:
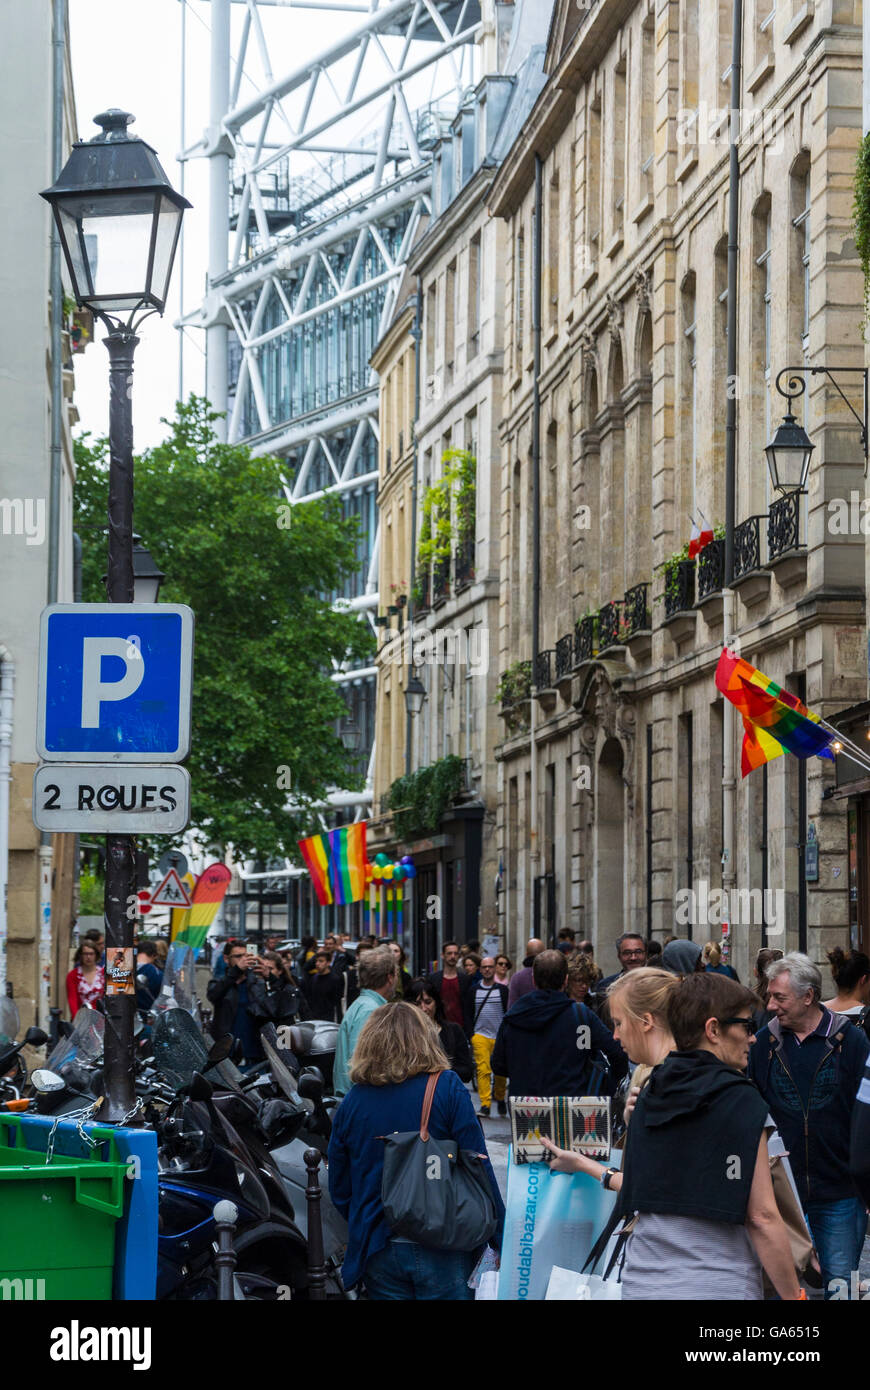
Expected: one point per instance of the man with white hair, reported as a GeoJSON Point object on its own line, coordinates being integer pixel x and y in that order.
{"type": "Point", "coordinates": [808, 1064]}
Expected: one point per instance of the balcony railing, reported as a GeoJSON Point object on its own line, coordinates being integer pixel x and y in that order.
{"type": "Point", "coordinates": [635, 611]}
{"type": "Point", "coordinates": [609, 624]}
{"type": "Point", "coordinates": [441, 581]}
{"type": "Point", "coordinates": [564, 657]}
{"type": "Point", "coordinates": [783, 525]}
{"type": "Point", "coordinates": [585, 639]}
{"type": "Point", "coordinates": [711, 569]}
{"type": "Point", "coordinates": [424, 586]}
{"type": "Point", "coordinates": [747, 546]}
{"type": "Point", "coordinates": [544, 670]}
{"type": "Point", "coordinates": [679, 587]}
{"type": "Point", "coordinates": [464, 563]}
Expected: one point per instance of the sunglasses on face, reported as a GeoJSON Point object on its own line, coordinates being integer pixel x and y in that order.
{"type": "Point", "coordinates": [745, 1023]}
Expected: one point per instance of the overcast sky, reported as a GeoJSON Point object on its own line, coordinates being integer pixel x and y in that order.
{"type": "Point", "coordinates": [127, 53]}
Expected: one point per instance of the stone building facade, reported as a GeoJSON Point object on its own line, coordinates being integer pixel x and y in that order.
{"type": "Point", "coordinates": [37, 874]}
{"type": "Point", "coordinates": [631, 132]}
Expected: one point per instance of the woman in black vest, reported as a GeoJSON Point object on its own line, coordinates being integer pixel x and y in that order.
{"type": "Point", "coordinates": [696, 1169]}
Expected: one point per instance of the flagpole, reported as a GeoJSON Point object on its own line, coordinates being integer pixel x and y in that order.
{"type": "Point", "coordinates": [858, 755]}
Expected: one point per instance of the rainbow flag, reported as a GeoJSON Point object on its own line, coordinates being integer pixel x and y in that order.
{"type": "Point", "coordinates": [347, 850]}
{"type": "Point", "coordinates": [773, 719]}
{"type": "Point", "coordinates": [209, 893]}
{"type": "Point", "coordinates": [315, 852]}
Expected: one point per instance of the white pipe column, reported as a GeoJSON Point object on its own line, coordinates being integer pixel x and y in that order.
{"type": "Point", "coordinates": [218, 209]}
{"type": "Point", "coordinates": [7, 698]}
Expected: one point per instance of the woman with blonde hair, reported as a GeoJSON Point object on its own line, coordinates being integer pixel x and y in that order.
{"type": "Point", "coordinates": [713, 961]}
{"type": "Point", "coordinates": [395, 1054]}
{"type": "Point", "coordinates": [638, 1005]}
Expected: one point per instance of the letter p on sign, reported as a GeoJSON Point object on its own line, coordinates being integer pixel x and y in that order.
{"type": "Point", "coordinates": [96, 691]}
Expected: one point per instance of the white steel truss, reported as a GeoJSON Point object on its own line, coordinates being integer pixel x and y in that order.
{"type": "Point", "coordinates": [326, 174]}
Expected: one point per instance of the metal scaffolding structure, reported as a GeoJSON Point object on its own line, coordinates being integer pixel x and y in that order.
{"type": "Point", "coordinates": [317, 187]}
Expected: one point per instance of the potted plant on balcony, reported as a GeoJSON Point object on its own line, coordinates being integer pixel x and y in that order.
{"type": "Point", "coordinates": [514, 695]}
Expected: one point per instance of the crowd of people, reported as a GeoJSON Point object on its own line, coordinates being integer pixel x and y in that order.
{"type": "Point", "coordinates": [701, 1070]}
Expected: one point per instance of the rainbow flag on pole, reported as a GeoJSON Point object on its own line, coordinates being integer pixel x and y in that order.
{"type": "Point", "coordinates": [347, 849]}
{"type": "Point", "coordinates": [773, 719]}
{"type": "Point", "coordinates": [315, 852]}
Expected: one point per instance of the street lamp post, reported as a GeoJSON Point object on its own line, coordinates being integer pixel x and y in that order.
{"type": "Point", "coordinates": [118, 219]}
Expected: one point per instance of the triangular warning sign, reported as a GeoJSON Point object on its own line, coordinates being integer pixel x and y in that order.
{"type": "Point", "coordinates": [171, 892]}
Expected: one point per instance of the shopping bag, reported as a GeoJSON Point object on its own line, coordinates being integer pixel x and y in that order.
{"type": "Point", "coordinates": [567, 1285]}
{"type": "Point", "coordinates": [550, 1219]}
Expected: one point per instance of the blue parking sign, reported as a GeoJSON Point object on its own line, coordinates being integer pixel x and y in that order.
{"type": "Point", "coordinates": [115, 682]}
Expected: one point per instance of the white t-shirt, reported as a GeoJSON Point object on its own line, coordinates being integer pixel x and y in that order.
{"type": "Point", "coordinates": [491, 1011]}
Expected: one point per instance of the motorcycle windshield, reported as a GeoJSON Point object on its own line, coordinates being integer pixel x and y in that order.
{"type": "Point", "coordinates": [85, 1042]}
{"type": "Point", "coordinates": [180, 1050]}
{"type": "Point", "coordinates": [9, 1021]}
{"type": "Point", "coordinates": [179, 1047]}
{"type": "Point", "coordinates": [281, 1073]}
{"type": "Point", "coordinates": [178, 979]}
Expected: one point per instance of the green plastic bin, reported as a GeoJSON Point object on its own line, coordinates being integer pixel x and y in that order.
{"type": "Point", "coordinates": [57, 1219]}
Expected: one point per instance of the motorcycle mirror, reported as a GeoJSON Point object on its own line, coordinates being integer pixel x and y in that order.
{"type": "Point", "coordinates": [35, 1037]}
{"type": "Point", "coordinates": [237, 1052]}
{"type": "Point", "coordinates": [311, 1087]}
{"type": "Point", "coordinates": [46, 1081]}
{"type": "Point", "coordinates": [200, 1088]}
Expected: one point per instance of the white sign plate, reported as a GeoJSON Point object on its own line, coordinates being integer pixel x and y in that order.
{"type": "Point", "coordinates": [111, 798]}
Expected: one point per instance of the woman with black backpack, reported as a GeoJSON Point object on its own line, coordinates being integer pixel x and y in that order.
{"type": "Point", "coordinates": [851, 972]}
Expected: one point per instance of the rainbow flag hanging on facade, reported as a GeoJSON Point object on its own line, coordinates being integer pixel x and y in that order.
{"type": "Point", "coordinates": [347, 850]}
{"type": "Point", "coordinates": [315, 852]}
{"type": "Point", "coordinates": [773, 719]}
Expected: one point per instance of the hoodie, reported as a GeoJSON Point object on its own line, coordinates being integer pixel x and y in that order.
{"type": "Point", "coordinates": [693, 1140]}
{"type": "Point", "coordinates": [541, 1049]}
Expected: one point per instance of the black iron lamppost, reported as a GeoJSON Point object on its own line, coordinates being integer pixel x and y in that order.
{"type": "Point", "coordinates": [118, 220]}
{"type": "Point", "coordinates": [790, 450]}
{"type": "Point", "coordinates": [415, 694]}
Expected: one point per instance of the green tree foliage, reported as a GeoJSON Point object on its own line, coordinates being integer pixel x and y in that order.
{"type": "Point", "coordinates": [254, 572]}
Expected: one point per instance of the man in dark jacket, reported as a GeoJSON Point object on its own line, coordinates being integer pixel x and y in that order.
{"type": "Point", "coordinates": [808, 1064]}
{"type": "Point", "coordinates": [230, 998]}
{"type": "Point", "coordinates": [455, 988]}
{"type": "Point", "coordinates": [547, 1044]}
{"type": "Point", "coordinates": [324, 990]}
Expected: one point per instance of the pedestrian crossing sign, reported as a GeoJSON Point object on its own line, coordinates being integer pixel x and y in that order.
{"type": "Point", "coordinates": [171, 892]}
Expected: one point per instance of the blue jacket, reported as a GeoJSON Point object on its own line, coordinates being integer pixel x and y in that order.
{"type": "Point", "coordinates": [817, 1138]}
{"type": "Point", "coordinates": [540, 1049]}
{"type": "Point", "coordinates": [356, 1154]}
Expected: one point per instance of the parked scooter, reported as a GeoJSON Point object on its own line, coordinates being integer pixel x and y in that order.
{"type": "Point", "coordinates": [13, 1071]}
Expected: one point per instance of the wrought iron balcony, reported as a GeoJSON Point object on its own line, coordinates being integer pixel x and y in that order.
{"type": "Point", "coordinates": [747, 546]}
{"type": "Point", "coordinates": [464, 562]}
{"type": "Point", "coordinates": [609, 624]}
{"type": "Point", "coordinates": [424, 586]}
{"type": "Point", "coordinates": [544, 670]}
{"type": "Point", "coordinates": [586, 639]}
{"type": "Point", "coordinates": [564, 657]}
{"type": "Point", "coordinates": [679, 587]}
{"type": "Point", "coordinates": [711, 569]}
{"type": "Point", "coordinates": [783, 525]}
{"type": "Point", "coordinates": [441, 581]}
{"type": "Point", "coordinates": [635, 611]}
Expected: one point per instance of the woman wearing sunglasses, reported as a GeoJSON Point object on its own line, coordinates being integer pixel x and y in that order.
{"type": "Point", "coordinates": [503, 969]}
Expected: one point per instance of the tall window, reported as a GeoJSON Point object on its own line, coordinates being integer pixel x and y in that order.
{"type": "Point", "coordinates": [553, 213]}
{"type": "Point", "coordinates": [593, 177]}
{"type": "Point", "coordinates": [690, 381]}
{"type": "Point", "coordinates": [519, 295]}
{"type": "Point", "coordinates": [618, 164]}
{"type": "Point", "coordinates": [474, 284]}
{"type": "Point", "coordinates": [431, 326]}
{"type": "Point", "coordinates": [764, 286]}
{"type": "Point", "coordinates": [801, 224]}
{"type": "Point", "coordinates": [689, 55]}
{"type": "Point", "coordinates": [726, 39]}
{"type": "Point", "coordinates": [450, 318]}
{"type": "Point", "coordinates": [646, 144]}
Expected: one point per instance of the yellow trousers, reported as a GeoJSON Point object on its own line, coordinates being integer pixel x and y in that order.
{"type": "Point", "coordinates": [481, 1051]}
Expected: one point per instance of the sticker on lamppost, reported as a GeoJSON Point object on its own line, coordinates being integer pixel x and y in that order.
{"type": "Point", "coordinates": [115, 682]}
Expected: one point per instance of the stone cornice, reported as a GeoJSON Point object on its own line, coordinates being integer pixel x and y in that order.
{"type": "Point", "coordinates": [444, 227]}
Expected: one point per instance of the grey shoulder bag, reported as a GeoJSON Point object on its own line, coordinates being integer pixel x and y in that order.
{"type": "Point", "coordinates": [433, 1192]}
